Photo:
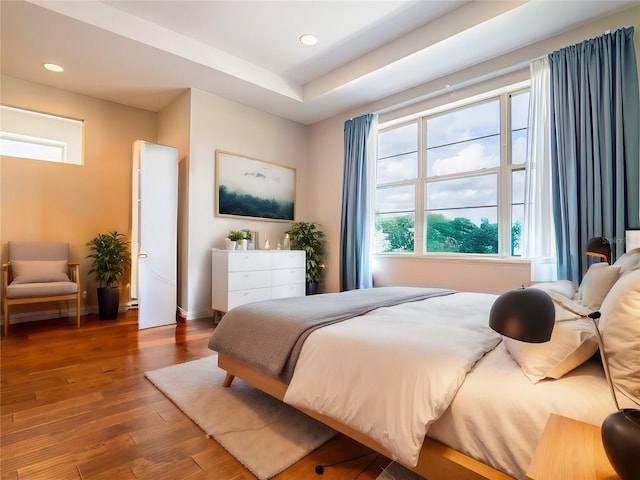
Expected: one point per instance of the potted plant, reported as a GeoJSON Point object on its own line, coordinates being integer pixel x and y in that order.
{"type": "Point", "coordinates": [110, 259]}
{"type": "Point", "coordinates": [306, 236]}
{"type": "Point", "coordinates": [235, 236]}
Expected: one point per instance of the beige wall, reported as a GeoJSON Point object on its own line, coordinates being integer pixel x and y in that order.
{"type": "Point", "coordinates": [174, 126]}
{"type": "Point", "coordinates": [326, 163]}
{"type": "Point", "coordinates": [218, 123]}
{"type": "Point", "coordinates": [50, 201]}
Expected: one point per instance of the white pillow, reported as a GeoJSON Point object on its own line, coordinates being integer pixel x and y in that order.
{"type": "Point", "coordinates": [597, 283]}
{"type": "Point", "coordinates": [620, 328]}
{"type": "Point", "coordinates": [629, 262]}
{"type": "Point", "coordinates": [564, 287]}
{"type": "Point", "coordinates": [595, 266]}
{"type": "Point", "coordinates": [39, 271]}
{"type": "Point", "coordinates": [572, 343]}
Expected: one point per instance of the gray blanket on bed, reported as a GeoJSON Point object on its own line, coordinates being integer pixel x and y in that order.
{"type": "Point", "coordinates": [269, 335]}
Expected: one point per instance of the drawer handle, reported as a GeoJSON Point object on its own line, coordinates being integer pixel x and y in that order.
{"type": "Point", "coordinates": [245, 294]}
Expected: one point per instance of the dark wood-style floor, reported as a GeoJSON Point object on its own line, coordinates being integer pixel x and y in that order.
{"type": "Point", "coordinates": [75, 405]}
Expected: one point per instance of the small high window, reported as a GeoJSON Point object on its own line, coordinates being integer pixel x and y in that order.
{"type": "Point", "coordinates": [40, 136]}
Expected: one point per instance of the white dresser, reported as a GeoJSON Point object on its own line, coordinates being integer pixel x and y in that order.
{"type": "Point", "coordinates": [245, 276]}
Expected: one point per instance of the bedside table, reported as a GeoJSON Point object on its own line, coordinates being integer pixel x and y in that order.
{"type": "Point", "coordinates": [570, 449]}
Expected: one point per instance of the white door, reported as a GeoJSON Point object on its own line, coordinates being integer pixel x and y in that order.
{"type": "Point", "coordinates": [154, 278]}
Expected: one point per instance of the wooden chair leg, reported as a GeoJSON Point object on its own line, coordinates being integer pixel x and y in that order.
{"type": "Point", "coordinates": [5, 318]}
{"type": "Point", "coordinates": [78, 310]}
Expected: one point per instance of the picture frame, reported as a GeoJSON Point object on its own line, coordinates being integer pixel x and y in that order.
{"type": "Point", "coordinates": [255, 189]}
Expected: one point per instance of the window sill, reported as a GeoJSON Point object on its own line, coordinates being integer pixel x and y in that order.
{"type": "Point", "coordinates": [463, 258]}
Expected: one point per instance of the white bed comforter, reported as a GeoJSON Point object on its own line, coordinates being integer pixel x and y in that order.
{"type": "Point", "coordinates": [392, 372]}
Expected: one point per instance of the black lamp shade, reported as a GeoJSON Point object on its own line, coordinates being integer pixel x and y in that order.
{"type": "Point", "coordinates": [525, 314]}
{"type": "Point", "coordinates": [599, 247]}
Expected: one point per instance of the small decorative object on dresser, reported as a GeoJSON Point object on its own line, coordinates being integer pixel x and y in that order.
{"type": "Point", "coordinates": [235, 239]}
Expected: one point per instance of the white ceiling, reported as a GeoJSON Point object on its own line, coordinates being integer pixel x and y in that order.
{"type": "Point", "coordinates": [145, 53]}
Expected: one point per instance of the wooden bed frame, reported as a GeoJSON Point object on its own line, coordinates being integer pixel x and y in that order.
{"type": "Point", "coordinates": [436, 461]}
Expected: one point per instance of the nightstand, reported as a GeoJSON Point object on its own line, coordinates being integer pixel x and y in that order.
{"type": "Point", "coordinates": [570, 449]}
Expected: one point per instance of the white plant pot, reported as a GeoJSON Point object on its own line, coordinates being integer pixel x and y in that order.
{"type": "Point", "coordinates": [243, 244]}
{"type": "Point", "coordinates": [232, 244]}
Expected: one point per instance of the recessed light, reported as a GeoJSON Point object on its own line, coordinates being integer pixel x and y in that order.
{"type": "Point", "coordinates": [52, 67]}
{"type": "Point", "coordinates": [308, 39]}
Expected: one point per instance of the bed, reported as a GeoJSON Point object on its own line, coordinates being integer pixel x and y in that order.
{"type": "Point", "coordinates": [417, 375]}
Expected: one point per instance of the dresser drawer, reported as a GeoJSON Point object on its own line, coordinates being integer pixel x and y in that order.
{"type": "Point", "coordinates": [287, 276]}
{"type": "Point", "coordinates": [240, 297]}
{"type": "Point", "coordinates": [246, 276]}
{"type": "Point", "coordinates": [248, 280]}
{"type": "Point", "coordinates": [251, 260]}
{"type": "Point", "coordinates": [284, 291]}
{"type": "Point", "coordinates": [288, 259]}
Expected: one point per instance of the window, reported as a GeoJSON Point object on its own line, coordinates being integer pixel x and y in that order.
{"type": "Point", "coordinates": [40, 136]}
{"type": "Point", "coordinates": [464, 170]}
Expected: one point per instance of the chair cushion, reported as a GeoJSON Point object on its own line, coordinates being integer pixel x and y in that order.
{"type": "Point", "coordinates": [47, 289]}
{"type": "Point", "coordinates": [39, 271]}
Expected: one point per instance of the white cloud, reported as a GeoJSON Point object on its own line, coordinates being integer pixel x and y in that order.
{"type": "Point", "coordinates": [395, 199]}
{"type": "Point", "coordinates": [465, 157]}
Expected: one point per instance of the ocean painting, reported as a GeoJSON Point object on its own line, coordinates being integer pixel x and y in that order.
{"type": "Point", "coordinates": [247, 187]}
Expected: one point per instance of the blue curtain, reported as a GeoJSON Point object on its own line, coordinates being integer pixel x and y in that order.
{"type": "Point", "coordinates": [594, 146]}
{"type": "Point", "coordinates": [355, 269]}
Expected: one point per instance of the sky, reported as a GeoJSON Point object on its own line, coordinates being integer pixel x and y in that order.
{"type": "Point", "coordinates": [461, 140]}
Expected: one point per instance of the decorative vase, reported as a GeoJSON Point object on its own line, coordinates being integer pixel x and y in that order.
{"type": "Point", "coordinates": [621, 440]}
{"type": "Point", "coordinates": [312, 288]}
{"type": "Point", "coordinates": [108, 302]}
{"type": "Point", "coordinates": [232, 244]}
{"type": "Point", "coordinates": [243, 244]}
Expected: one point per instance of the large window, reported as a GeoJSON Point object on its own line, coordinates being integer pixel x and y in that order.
{"type": "Point", "coordinates": [40, 136]}
{"type": "Point", "coordinates": [463, 169]}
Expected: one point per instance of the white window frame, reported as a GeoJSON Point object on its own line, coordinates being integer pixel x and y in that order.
{"type": "Point", "coordinates": [62, 135]}
{"type": "Point", "coordinates": [504, 171]}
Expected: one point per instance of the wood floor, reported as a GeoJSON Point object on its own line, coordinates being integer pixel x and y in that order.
{"type": "Point", "coordinates": [75, 405]}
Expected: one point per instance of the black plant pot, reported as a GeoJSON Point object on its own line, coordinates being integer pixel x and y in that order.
{"type": "Point", "coordinates": [108, 302]}
{"type": "Point", "coordinates": [312, 288]}
{"type": "Point", "coordinates": [621, 440]}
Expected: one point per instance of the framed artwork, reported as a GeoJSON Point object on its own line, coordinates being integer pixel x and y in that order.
{"type": "Point", "coordinates": [251, 188]}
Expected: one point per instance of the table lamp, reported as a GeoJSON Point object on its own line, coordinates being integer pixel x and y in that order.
{"type": "Point", "coordinates": [599, 247]}
{"type": "Point", "coordinates": [528, 315]}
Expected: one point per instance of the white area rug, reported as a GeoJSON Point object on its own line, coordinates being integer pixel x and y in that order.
{"type": "Point", "coordinates": [396, 471]}
{"type": "Point", "coordinates": [264, 434]}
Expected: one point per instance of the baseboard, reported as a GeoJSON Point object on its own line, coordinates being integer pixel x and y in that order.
{"type": "Point", "coordinates": [186, 315]}
{"type": "Point", "coordinates": [62, 312]}
{"type": "Point", "coordinates": [55, 313]}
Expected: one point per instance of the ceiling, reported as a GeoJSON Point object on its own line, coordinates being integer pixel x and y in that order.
{"type": "Point", "coordinates": [145, 53]}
